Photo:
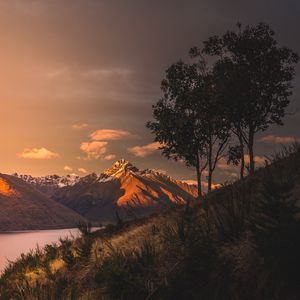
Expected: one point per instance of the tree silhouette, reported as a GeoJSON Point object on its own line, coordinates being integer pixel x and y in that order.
{"type": "Point", "coordinates": [176, 124]}
{"type": "Point", "coordinates": [253, 76]}
{"type": "Point", "coordinates": [188, 122]}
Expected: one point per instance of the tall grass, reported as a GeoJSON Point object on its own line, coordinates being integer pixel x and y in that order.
{"type": "Point", "coordinates": [242, 243]}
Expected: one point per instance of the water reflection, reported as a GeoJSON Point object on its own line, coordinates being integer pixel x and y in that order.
{"type": "Point", "coordinates": [12, 244]}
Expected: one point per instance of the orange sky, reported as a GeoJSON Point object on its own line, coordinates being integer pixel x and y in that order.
{"type": "Point", "coordinates": [78, 78]}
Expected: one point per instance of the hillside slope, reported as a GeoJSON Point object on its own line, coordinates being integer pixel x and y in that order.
{"type": "Point", "coordinates": [241, 242]}
{"type": "Point", "coordinates": [125, 190]}
{"type": "Point", "coordinates": [24, 208]}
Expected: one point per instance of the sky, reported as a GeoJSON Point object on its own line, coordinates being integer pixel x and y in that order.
{"type": "Point", "coordinates": [78, 78]}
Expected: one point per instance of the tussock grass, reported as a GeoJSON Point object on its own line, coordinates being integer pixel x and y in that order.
{"type": "Point", "coordinates": [243, 242]}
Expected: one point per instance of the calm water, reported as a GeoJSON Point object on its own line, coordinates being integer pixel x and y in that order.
{"type": "Point", "coordinates": [12, 244]}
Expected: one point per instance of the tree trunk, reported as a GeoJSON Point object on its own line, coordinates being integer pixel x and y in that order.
{"type": "Point", "coordinates": [210, 168]}
{"type": "Point", "coordinates": [242, 167]}
{"type": "Point", "coordinates": [251, 152]}
{"type": "Point", "coordinates": [198, 179]}
{"type": "Point", "coordinates": [209, 181]}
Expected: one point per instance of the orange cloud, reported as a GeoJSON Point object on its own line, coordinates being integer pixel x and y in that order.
{"type": "Point", "coordinates": [93, 150]}
{"type": "Point", "coordinates": [38, 153]}
{"type": "Point", "coordinates": [233, 171]}
{"type": "Point", "coordinates": [273, 139]}
{"type": "Point", "coordinates": [68, 168]}
{"type": "Point", "coordinates": [82, 170]}
{"type": "Point", "coordinates": [259, 160]}
{"type": "Point", "coordinates": [204, 183]}
{"type": "Point", "coordinates": [143, 151]}
{"type": "Point", "coordinates": [80, 126]}
{"type": "Point", "coordinates": [110, 157]}
{"type": "Point", "coordinates": [213, 186]}
{"type": "Point", "coordinates": [110, 134]}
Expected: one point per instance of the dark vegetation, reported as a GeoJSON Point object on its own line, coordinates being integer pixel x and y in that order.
{"type": "Point", "coordinates": [211, 110]}
{"type": "Point", "coordinates": [242, 243]}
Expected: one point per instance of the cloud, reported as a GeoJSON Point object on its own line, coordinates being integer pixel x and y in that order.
{"type": "Point", "coordinates": [110, 157]}
{"type": "Point", "coordinates": [110, 134]}
{"type": "Point", "coordinates": [273, 139]}
{"type": "Point", "coordinates": [213, 185]}
{"type": "Point", "coordinates": [80, 126]}
{"type": "Point", "coordinates": [94, 149]}
{"type": "Point", "coordinates": [143, 151]}
{"type": "Point", "coordinates": [38, 153]}
{"type": "Point", "coordinates": [68, 168]}
{"type": "Point", "coordinates": [82, 170]}
{"type": "Point", "coordinates": [222, 165]}
{"type": "Point", "coordinates": [259, 160]}
{"type": "Point", "coordinates": [204, 183]}
{"type": "Point", "coordinates": [106, 73]}
{"type": "Point", "coordinates": [99, 74]}
{"type": "Point", "coordinates": [233, 171]}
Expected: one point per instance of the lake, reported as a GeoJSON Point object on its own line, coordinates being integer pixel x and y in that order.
{"type": "Point", "coordinates": [12, 244]}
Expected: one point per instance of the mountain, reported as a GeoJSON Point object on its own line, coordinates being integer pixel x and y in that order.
{"type": "Point", "coordinates": [124, 190]}
{"type": "Point", "coordinates": [51, 183]}
{"type": "Point", "coordinates": [22, 207]}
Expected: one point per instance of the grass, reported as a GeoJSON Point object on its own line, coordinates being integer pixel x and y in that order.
{"type": "Point", "coordinates": [242, 243]}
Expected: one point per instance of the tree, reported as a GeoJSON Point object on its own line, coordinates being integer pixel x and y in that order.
{"type": "Point", "coordinates": [176, 124]}
{"type": "Point", "coordinates": [188, 123]}
{"type": "Point", "coordinates": [254, 79]}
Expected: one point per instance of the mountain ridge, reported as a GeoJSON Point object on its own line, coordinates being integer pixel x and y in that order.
{"type": "Point", "coordinates": [22, 207]}
{"type": "Point", "coordinates": [124, 189]}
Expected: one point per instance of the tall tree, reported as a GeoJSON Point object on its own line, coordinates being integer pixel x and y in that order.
{"type": "Point", "coordinates": [176, 125]}
{"type": "Point", "coordinates": [188, 122]}
{"type": "Point", "coordinates": [255, 80]}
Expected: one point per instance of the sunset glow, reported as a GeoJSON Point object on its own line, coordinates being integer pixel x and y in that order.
{"type": "Point", "coordinates": [78, 94]}
{"type": "Point", "coordinates": [6, 190]}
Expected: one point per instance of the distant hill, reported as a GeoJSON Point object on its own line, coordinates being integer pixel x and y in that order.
{"type": "Point", "coordinates": [22, 207]}
{"type": "Point", "coordinates": [124, 190]}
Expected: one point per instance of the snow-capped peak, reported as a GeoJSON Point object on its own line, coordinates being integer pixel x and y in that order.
{"type": "Point", "coordinates": [119, 168]}
{"type": "Point", "coordinates": [50, 180]}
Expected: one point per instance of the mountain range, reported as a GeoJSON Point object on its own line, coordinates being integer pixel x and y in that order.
{"type": "Point", "coordinates": [51, 183]}
{"type": "Point", "coordinates": [120, 191]}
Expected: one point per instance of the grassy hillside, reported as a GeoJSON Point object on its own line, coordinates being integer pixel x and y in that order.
{"type": "Point", "coordinates": [23, 208]}
{"type": "Point", "coordinates": [241, 242]}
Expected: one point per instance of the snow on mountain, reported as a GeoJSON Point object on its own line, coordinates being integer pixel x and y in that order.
{"type": "Point", "coordinates": [124, 187]}
{"type": "Point", "coordinates": [50, 180]}
{"type": "Point", "coordinates": [50, 183]}
{"type": "Point", "coordinates": [120, 168]}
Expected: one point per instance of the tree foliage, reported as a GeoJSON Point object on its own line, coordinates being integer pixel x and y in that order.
{"type": "Point", "coordinates": [187, 121]}
{"type": "Point", "coordinates": [245, 89]}
{"type": "Point", "coordinates": [254, 79]}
